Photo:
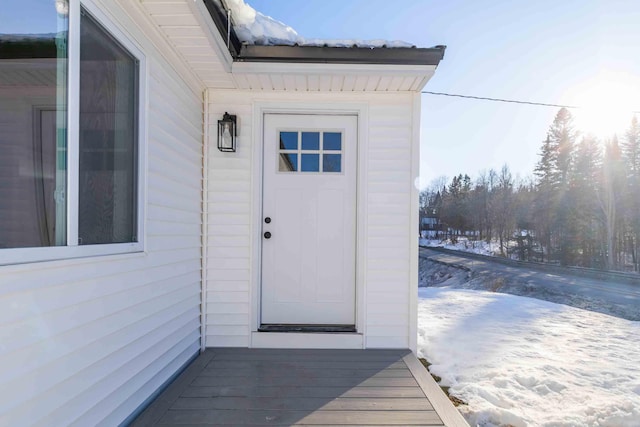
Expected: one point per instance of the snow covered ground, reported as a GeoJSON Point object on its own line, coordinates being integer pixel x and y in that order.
{"type": "Point", "coordinates": [524, 362]}
{"type": "Point", "coordinates": [464, 244]}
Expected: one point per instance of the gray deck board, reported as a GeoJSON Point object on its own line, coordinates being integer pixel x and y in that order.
{"type": "Point", "coordinates": [305, 403]}
{"type": "Point", "coordinates": [309, 381]}
{"type": "Point", "coordinates": [294, 387]}
{"type": "Point", "coordinates": [271, 417]}
{"type": "Point", "coordinates": [293, 364]}
{"type": "Point", "coordinates": [265, 372]}
{"type": "Point", "coordinates": [268, 391]}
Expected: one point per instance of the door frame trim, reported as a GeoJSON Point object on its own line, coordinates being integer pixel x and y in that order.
{"type": "Point", "coordinates": [260, 109]}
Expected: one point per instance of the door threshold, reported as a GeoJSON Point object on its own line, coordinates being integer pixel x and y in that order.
{"type": "Point", "coordinates": [320, 329]}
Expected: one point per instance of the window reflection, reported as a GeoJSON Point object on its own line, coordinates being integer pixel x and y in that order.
{"type": "Point", "coordinates": [331, 163]}
{"type": "Point", "coordinates": [108, 137]}
{"type": "Point", "coordinates": [288, 162]}
{"type": "Point", "coordinates": [288, 140]}
{"type": "Point", "coordinates": [33, 135]}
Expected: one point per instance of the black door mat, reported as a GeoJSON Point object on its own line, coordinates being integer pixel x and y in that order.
{"type": "Point", "coordinates": [273, 327]}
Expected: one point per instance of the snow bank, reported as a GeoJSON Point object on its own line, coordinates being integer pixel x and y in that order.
{"type": "Point", "coordinates": [465, 245]}
{"type": "Point", "coordinates": [432, 273]}
{"type": "Point", "coordinates": [253, 27]}
{"type": "Point", "coordinates": [526, 362]}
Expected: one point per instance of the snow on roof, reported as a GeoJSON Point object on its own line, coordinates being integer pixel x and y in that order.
{"type": "Point", "coordinates": [255, 28]}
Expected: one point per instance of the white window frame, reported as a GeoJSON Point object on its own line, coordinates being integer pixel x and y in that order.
{"type": "Point", "coordinates": [11, 256]}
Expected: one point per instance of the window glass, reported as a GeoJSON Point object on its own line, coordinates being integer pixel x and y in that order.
{"type": "Point", "coordinates": [310, 163]}
{"type": "Point", "coordinates": [33, 134]}
{"type": "Point", "coordinates": [310, 141]}
{"type": "Point", "coordinates": [108, 138]}
{"type": "Point", "coordinates": [288, 162]}
{"type": "Point", "coordinates": [331, 163]}
{"type": "Point", "coordinates": [332, 141]}
{"type": "Point", "coordinates": [288, 140]}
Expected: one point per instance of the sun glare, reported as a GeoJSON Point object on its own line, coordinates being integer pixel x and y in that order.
{"type": "Point", "coordinates": [606, 103]}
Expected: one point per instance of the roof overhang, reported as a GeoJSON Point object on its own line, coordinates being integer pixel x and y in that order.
{"type": "Point", "coordinates": [200, 32]}
{"type": "Point", "coordinates": [331, 77]}
{"type": "Point", "coordinates": [319, 54]}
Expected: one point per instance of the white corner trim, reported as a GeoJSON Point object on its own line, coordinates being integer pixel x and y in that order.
{"type": "Point", "coordinates": [414, 219]}
{"type": "Point", "coordinates": [205, 222]}
{"type": "Point", "coordinates": [448, 413]}
{"type": "Point", "coordinates": [350, 69]}
{"type": "Point", "coordinates": [362, 202]}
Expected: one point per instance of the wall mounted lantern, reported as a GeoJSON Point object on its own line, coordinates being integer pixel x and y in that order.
{"type": "Point", "coordinates": [227, 132]}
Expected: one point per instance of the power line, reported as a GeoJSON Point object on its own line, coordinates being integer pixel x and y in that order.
{"type": "Point", "coordinates": [512, 101]}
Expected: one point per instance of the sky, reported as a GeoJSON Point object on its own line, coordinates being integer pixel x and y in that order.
{"type": "Point", "coordinates": [29, 17]}
{"type": "Point", "coordinates": [570, 52]}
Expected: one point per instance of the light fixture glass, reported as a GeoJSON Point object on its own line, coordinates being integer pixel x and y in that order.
{"type": "Point", "coordinates": [227, 132]}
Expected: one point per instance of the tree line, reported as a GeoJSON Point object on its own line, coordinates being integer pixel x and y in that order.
{"type": "Point", "coordinates": [580, 207]}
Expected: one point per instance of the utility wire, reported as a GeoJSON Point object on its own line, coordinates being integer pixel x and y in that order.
{"type": "Point", "coordinates": [512, 101]}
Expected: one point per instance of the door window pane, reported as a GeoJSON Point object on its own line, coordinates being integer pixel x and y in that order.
{"type": "Point", "coordinates": [288, 140]}
{"type": "Point", "coordinates": [310, 163]}
{"type": "Point", "coordinates": [331, 162]}
{"type": "Point", "coordinates": [33, 133]}
{"type": "Point", "coordinates": [288, 162]}
{"type": "Point", "coordinates": [310, 140]}
{"type": "Point", "coordinates": [108, 138]}
{"type": "Point", "coordinates": [332, 141]}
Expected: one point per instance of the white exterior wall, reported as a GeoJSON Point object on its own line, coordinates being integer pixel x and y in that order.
{"type": "Point", "coordinates": [86, 341]}
{"type": "Point", "coordinates": [388, 156]}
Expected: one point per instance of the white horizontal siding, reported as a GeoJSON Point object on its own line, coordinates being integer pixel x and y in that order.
{"type": "Point", "coordinates": [86, 341]}
{"type": "Point", "coordinates": [229, 229]}
{"type": "Point", "coordinates": [232, 286]}
{"type": "Point", "coordinates": [388, 212]}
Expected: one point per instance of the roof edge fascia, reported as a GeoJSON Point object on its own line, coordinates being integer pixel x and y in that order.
{"type": "Point", "coordinates": [341, 55]}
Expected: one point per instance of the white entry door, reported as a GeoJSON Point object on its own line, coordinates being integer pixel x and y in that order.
{"type": "Point", "coordinates": [309, 220]}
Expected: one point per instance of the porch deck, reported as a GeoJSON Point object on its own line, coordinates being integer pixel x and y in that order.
{"type": "Point", "coordinates": [226, 386]}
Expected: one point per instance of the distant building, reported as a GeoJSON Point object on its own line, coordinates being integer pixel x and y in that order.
{"type": "Point", "coordinates": [430, 226]}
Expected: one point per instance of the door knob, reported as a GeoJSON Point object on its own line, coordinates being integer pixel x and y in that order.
{"type": "Point", "coordinates": [267, 220]}
{"type": "Point", "coordinates": [267, 235]}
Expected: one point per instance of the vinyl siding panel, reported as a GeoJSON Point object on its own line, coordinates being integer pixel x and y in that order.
{"type": "Point", "coordinates": [232, 287]}
{"type": "Point", "coordinates": [389, 206]}
{"type": "Point", "coordinates": [86, 341]}
{"type": "Point", "coordinates": [229, 229]}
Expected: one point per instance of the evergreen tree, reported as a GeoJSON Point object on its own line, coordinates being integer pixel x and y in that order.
{"type": "Point", "coordinates": [609, 191]}
{"type": "Point", "coordinates": [545, 168]}
{"type": "Point", "coordinates": [583, 226]}
{"type": "Point", "coordinates": [631, 155]}
{"type": "Point", "coordinates": [553, 173]}
{"type": "Point", "coordinates": [631, 148]}
{"type": "Point", "coordinates": [546, 185]}
{"type": "Point", "coordinates": [563, 136]}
